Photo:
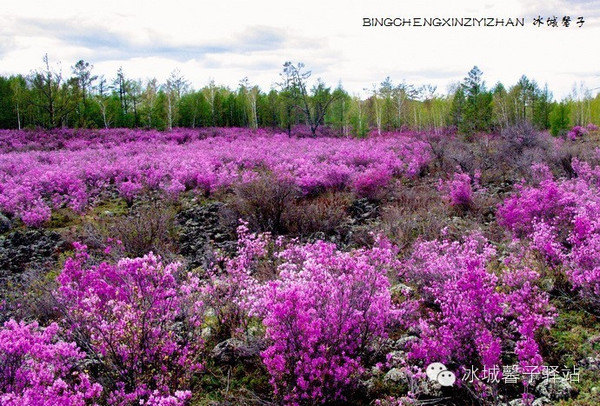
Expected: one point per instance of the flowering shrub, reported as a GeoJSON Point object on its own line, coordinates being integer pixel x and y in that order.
{"type": "Point", "coordinates": [577, 132]}
{"type": "Point", "coordinates": [129, 190]}
{"type": "Point", "coordinates": [137, 322]}
{"type": "Point", "coordinates": [584, 272]}
{"type": "Point", "coordinates": [471, 314]}
{"type": "Point", "coordinates": [560, 219]}
{"type": "Point", "coordinates": [36, 214]}
{"type": "Point", "coordinates": [225, 287]}
{"type": "Point", "coordinates": [75, 140]}
{"type": "Point", "coordinates": [37, 368]}
{"type": "Point", "coordinates": [549, 202]}
{"type": "Point", "coordinates": [321, 314]}
{"type": "Point", "coordinates": [368, 183]}
{"type": "Point", "coordinates": [458, 191]}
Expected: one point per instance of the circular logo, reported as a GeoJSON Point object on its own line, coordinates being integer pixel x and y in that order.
{"type": "Point", "coordinates": [437, 371]}
{"type": "Point", "coordinates": [434, 369]}
{"type": "Point", "coordinates": [446, 378]}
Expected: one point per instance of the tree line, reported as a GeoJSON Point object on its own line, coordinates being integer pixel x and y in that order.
{"type": "Point", "coordinates": [48, 98]}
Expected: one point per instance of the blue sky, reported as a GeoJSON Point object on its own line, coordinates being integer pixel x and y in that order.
{"type": "Point", "coordinates": [227, 40]}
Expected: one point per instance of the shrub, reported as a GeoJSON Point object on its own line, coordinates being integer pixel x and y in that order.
{"type": "Point", "coordinates": [36, 214]}
{"type": "Point", "coordinates": [149, 226]}
{"type": "Point", "coordinates": [37, 368]}
{"type": "Point", "coordinates": [325, 214]}
{"type": "Point", "coordinates": [129, 190]}
{"type": "Point", "coordinates": [82, 166]}
{"type": "Point", "coordinates": [471, 315]}
{"type": "Point", "coordinates": [560, 218]}
{"type": "Point", "coordinates": [225, 285]}
{"type": "Point", "coordinates": [264, 202]}
{"type": "Point", "coordinates": [321, 315]}
{"type": "Point", "coordinates": [548, 202]}
{"type": "Point", "coordinates": [458, 191]}
{"type": "Point", "coordinates": [577, 132]}
{"type": "Point", "coordinates": [517, 148]}
{"type": "Point", "coordinates": [137, 322]}
{"type": "Point", "coordinates": [370, 183]}
{"type": "Point", "coordinates": [584, 270]}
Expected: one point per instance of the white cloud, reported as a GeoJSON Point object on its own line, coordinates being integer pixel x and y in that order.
{"type": "Point", "coordinates": [229, 39]}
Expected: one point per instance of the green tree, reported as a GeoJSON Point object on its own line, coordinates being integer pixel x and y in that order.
{"type": "Point", "coordinates": [269, 108]}
{"type": "Point", "coordinates": [314, 105]}
{"type": "Point", "coordinates": [457, 109]}
{"type": "Point", "coordinates": [358, 117]}
{"type": "Point", "coordinates": [339, 111]}
{"type": "Point", "coordinates": [386, 93]}
{"type": "Point", "coordinates": [174, 88]}
{"type": "Point", "coordinates": [51, 96]}
{"type": "Point", "coordinates": [194, 110]}
{"type": "Point", "coordinates": [210, 94]}
{"type": "Point", "coordinates": [8, 119]}
{"type": "Point", "coordinates": [249, 96]}
{"type": "Point", "coordinates": [543, 105]}
{"type": "Point", "coordinates": [404, 94]}
{"type": "Point", "coordinates": [82, 84]}
{"type": "Point", "coordinates": [560, 119]}
{"type": "Point", "coordinates": [500, 106]}
{"type": "Point", "coordinates": [477, 109]}
{"type": "Point", "coordinates": [148, 104]}
{"type": "Point", "coordinates": [523, 96]}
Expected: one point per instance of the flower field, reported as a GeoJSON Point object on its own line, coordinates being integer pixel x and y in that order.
{"type": "Point", "coordinates": [35, 182]}
{"type": "Point", "coordinates": [235, 266]}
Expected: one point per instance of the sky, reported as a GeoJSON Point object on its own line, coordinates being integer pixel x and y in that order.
{"type": "Point", "coordinates": [227, 40]}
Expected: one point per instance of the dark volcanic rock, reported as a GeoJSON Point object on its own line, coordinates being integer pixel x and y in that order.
{"type": "Point", "coordinates": [21, 249]}
{"type": "Point", "coordinates": [203, 231]}
{"type": "Point", "coordinates": [362, 210]}
{"type": "Point", "coordinates": [5, 224]}
{"type": "Point", "coordinates": [234, 350]}
{"type": "Point", "coordinates": [555, 388]}
{"type": "Point", "coordinates": [25, 256]}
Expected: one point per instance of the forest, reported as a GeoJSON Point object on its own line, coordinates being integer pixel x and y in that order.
{"type": "Point", "coordinates": [48, 97]}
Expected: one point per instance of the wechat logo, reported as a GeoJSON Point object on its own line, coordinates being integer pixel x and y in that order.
{"type": "Point", "coordinates": [438, 372]}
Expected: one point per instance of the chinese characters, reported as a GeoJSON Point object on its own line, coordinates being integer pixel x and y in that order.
{"type": "Point", "coordinates": [554, 21]}
{"type": "Point", "coordinates": [512, 374]}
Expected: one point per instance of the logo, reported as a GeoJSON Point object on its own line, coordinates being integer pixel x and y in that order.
{"type": "Point", "coordinates": [438, 372]}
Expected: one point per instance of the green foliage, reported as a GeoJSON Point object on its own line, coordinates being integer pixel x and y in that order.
{"type": "Point", "coordinates": [456, 116]}
{"type": "Point", "coordinates": [339, 112]}
{"type": "Point", "coordinates": [476, 109]}
{"type": "Point", "coordinates": [8, 117]}
{"type": "Point", "coordinates": [559, 118]}
{"type": "Point", "coordinates": [50, 98]}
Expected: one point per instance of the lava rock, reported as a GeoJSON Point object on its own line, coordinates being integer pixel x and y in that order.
{"type": "Point", "coordinates": [21, 249]}
{"type": "Point", "coordinates": [233, 350]}
{"type": "Point", "coordinates": [590, 363]}
{"type": "Point", "coordinates": [206, 333]}
{"type": "Point", "coordinates": [543, 401]}
{"type": "Point", "coordinates": [5, 224]}
{"type": "Point", "coordinates": [555, 388]}
{"type": "Point", "coordinates": [536, 402]}
{"type": "Point", "coordinates": [363, 210]}
{"type": "Point", "coordinates": [400, 289]}
{"type": "Point", "coordinates": [396, 357]}
{"type": "Point", "coordinates": [429, 388]}
{"type": "Point", "coordinates": [404, 342]}
{"type": "Point", "coordinates": [395, 375]}
{"type": "Point", "coordinates": [202, 231]}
